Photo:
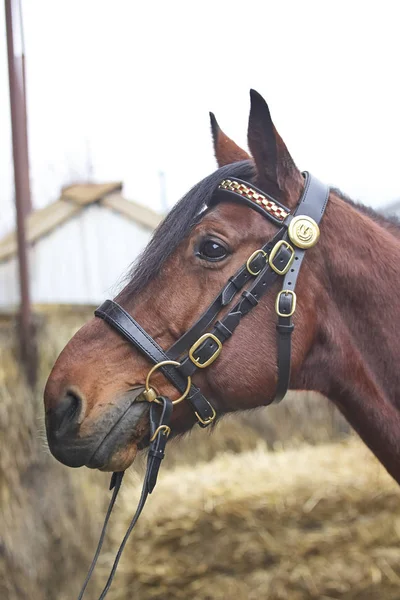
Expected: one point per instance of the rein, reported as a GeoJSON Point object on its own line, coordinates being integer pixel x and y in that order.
{"type": "Point", "coordinates": [280, 257]}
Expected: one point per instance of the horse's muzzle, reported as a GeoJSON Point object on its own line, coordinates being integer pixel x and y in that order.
{"type": "Point", "coordinates": [95, 442]}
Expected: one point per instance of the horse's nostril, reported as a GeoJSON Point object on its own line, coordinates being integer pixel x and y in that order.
{"type": "Point", "coordinates": [65, 416]}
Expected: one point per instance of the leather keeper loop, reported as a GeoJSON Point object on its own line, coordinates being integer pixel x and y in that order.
{"type": "Point", "coordinates": [285, 329]}
{"type": "Point", "coordinates": [224, 331]}
{"type": "Point", "coordinates": [249, 296]}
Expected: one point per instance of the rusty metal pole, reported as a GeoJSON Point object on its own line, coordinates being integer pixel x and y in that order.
{"type": "Point", "coordinates": [16, 73]}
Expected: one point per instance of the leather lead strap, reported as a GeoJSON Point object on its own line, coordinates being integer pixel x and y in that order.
{"type": "Point", "coordinates": [115, 484]}
{"type": "Point", "coordinates": [160, 416]}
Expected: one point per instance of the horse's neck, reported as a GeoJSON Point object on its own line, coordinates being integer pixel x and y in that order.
{"type": "Point", "coordinates": [354, 361]}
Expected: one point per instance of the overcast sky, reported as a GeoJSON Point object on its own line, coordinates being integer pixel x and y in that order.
{"type": "Point", "coordinates": [121, 90]}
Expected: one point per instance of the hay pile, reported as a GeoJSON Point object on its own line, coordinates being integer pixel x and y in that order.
{"type": "Point", "coordinates": [49, 515]}
{"type": "Point", "coordinates": [317, 523]}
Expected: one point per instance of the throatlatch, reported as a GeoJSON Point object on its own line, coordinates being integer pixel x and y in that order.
{"type": "Point", "coordinates": [280, 257]}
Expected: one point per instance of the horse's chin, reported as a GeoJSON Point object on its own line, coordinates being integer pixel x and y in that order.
{"type": "Point", "coordinates": [122, 459]}
{"type": "Point", "coordinates": [120, 445]}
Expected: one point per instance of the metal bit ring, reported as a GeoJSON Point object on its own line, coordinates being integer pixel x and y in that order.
{"type": "Point", "coordinates": [148, 388]}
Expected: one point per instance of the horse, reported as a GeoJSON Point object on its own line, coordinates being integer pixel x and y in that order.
{"type": "Point", "coordinates": [101, 391]}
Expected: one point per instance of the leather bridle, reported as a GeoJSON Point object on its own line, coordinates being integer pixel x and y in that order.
{"type": "Point", "coordinates": [279, 258]}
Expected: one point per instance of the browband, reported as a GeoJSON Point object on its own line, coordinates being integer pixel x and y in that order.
{"type": "Point", "coordinates": [241, 191]}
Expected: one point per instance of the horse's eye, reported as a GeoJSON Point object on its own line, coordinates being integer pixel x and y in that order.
{"type": "Point", "coordinates": [211, 250]}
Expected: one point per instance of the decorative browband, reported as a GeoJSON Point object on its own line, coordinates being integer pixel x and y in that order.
{"type": "Point", "coordinates": [278, 212]}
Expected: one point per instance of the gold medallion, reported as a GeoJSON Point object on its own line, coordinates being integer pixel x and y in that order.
{"type": "Point", "coordinates": [303, 231]}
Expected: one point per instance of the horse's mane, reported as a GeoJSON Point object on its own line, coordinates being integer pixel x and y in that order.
{"type": "Point", "coordinates": [392, 223]}
{"type": "Point", "coordinates": [187, 212]}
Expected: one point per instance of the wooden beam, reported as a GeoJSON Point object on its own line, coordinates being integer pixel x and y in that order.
{"type": "Point", "coordinates": [136, 212]}
{"type": "Point", "coordinates": [38, 224]}
{"type": "Point", "coordinates": [87, 193]}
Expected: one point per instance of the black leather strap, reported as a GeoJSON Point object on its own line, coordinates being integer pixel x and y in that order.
{"type": "Point", "coordinates": [284, 328]}
{"type": "Point", "coordinates": [312, 204]}
{"type": "Point", "coordinates": [113, 314]}
{"type": "Point", "coordinates": [233, 286]}
{"type": "Point", "coordinates": [225, 297]}
{"type": "Point", "coordinates": [224, 328]}
{"type": "Point", "coordinates": [115, 485]}
{"type": "Point", "coordinates": [314, 198]}
{"type": "Point", "coordinates": [160, 416]}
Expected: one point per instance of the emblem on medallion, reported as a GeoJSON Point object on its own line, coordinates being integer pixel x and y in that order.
{"type": "Point", "coordinates": [303, 231]}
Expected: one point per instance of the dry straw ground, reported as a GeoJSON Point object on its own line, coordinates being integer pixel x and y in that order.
{"type": "Point", "coordinates": [229, 518]}
{"type": "Point", "coordinates": [312, 523]}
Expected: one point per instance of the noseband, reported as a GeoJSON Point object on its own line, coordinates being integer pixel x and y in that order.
{"type": "Point", "coordinates": [280, 257]}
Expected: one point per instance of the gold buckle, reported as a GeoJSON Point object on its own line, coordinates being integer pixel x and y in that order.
{"type": "Point", "coordinates": [149, 391]}
{"type": "Point", "coordinates": [294, 298]}
{"type": "Point", "coordinates": [157, 431]}
{"type": "Point", "coordinates": [198, 343]}
{"type": "Point", "coordinates": [273, 253]}
{"type": "Point", "coordinates": [260, 251]}
{"type": "Point", "coordinates": [209, 420]}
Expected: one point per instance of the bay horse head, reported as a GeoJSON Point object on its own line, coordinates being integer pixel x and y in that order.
{"type": "Point", "coordinates": [169, 332]}
{"type": "Point", "coordinates": [92, 417]}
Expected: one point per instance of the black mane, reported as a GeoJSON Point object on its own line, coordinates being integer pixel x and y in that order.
{"type": "Point", "coordinates": [186, 213]}
{"type": "Point", "coordinates": [390, 222]}
{"type": "Point", "coordinates": [178, 224]}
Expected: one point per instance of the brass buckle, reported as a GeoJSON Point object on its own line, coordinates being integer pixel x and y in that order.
{"type": "Point", "coordinates": [294, 298]}
{"type": "Point", "coordinates": [151, 395]}
{"type": "Point", "coordinates": [248, 263]}
{"type": "Point", "coordinates": [157, 431]}
{"type": "Point", "coordinates": [208, 362]}
{"type": "Point", "coordinates": [209, 420]}
{"type": "Point", "coordinates": [273, 253]}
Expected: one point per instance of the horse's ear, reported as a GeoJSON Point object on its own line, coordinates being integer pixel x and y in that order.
{"type": "Point", "coordinates": [226, 151]}
{"type": "Point", "coordinates": [277, 173]}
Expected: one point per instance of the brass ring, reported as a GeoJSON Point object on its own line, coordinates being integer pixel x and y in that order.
{"type": "Point", "coordinates": [162, 364]}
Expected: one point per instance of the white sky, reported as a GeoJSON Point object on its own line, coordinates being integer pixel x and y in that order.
{"type": "Point", "coordinates": [121, 90]}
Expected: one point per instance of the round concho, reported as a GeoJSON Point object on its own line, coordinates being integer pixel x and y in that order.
{"type": "Point", "coordinates": [303, 231]}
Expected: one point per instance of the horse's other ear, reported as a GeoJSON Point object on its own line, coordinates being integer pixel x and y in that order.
{"type": "Point", "coordinates": [277, 173]}
{"type": "Point", "coordinates": [226, 151]}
